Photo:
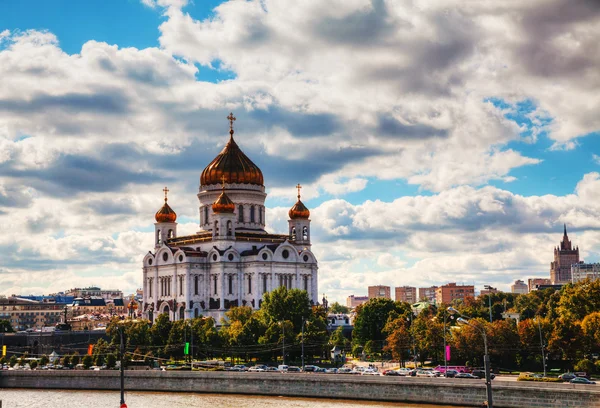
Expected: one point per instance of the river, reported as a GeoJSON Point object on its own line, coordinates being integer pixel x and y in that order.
{"type": "Point", "coordinates": [26, 398]}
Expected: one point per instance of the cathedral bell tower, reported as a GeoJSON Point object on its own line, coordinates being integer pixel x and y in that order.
{"type": "Point", "coordinates": [165, 227]}
{"type": "Point", "coordinates": [299, 224]}
{"type": "Point", "coordinates": [224, 217]}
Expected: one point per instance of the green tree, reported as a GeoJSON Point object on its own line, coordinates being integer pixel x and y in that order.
{"type": "Point", "coordinates": [66, 360]}
{"type": "Point", "coordinates": [23, 359]}
{"type": "Point", "coordinates": [160, 331]}
{"type": "Point", "coordinates": [44, 360]}
{"type": "Point", "coordinates": [566, 339]}
{"type": "Point", "coordinates": [87, 361]}
{"type": "Point", "coordinates": [6, 327]}
{"type": "Point", "coordinates": [585, 365]}
{"type": "Point", "coordinates": [337, 308]}
{"type": "Point", "coordinates": [33, 365]}
{"type": "Point", "coordinates": [338, 339]}
{"type": "Point", "coordinates": [206, 337]}
{"type": "Point", "coordinates": [75, 359]}
{"type": "Point", "coordinates": [371, 318]}
{"type": "Point", "coordinates": [12, 361]}
{"type": "Point", "coordinates": [282, 304]}
{"type": "Point", "coordinates": [111, 360]}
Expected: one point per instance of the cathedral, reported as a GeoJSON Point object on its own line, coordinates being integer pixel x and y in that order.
{"type": "Point", "coordinates": [231, 261]}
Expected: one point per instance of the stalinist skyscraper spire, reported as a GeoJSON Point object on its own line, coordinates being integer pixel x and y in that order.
{"type": "Point", "coordinates": [564, 256]}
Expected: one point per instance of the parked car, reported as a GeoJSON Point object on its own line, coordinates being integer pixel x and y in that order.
{"type": "Point", "coordinates": [403, 371]}
{"type": "Point", "coordinates": [481, 374]}
{"type": "Point", "coordinates": [282, 367]}
{"type": "Point", "coordinates": [331, 371]}
{"type": "Point", "coordinates": [391, 373]}
{"type": "Point", "coordinates": [320, 370]}
{"type": "Point", "coordinates": [426, 373]}
{"type": "Point", "coordinates": [466, 375]}
{"type": "Point", "coordinates": [293, 369]}
{"type": "Point", "coordinates": [581, 380]}
{"type": "Point", "coordinates": [345, 370]}
{"type": "Point", "coordinates": [271, 369]}
{"type": "Point", "coordinates": [310, 368]}
{"type": "Point", "coordinates": [369, 371]}
{"type": "Point", "coordinates": [451, 373]}
{"type": "Point", "coordinates": [259, 368]}
{"type": "Point", "coordinates": [567, 376]}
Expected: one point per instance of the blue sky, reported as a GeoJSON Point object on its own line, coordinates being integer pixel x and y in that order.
{"type": "Point", "coordinates": [430, 151]}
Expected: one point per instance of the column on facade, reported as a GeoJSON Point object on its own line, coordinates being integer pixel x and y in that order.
{"type": "Point", "coordinates": [313, 284]}
{"type": "Point", "coordinates": [256, 295]}
{"type": "Point", "coordinates": [240, 283]}
{"type": "Point", "coordinates": [222, 276]}
{"type": "Point", "coordinates": [187, 291]}
{"type": "Point", "coordinates": [156, 294]}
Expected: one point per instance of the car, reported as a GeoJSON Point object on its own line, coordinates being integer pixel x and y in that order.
{"type": "Point", "coordinates": [294, 369]}
{"type": "Point", "coordinates": [345, 370]}
{"type": "Point", "coordinates": [239, 367]}
{"type": "Point", "coordinates": [450, 373]}
{"type": "Point", "coordinates": [320, 370]}
{"type": "Point", "coordinates": [481, 374]}
{"type": "Point", "coordinates": [581, 380]}
{"type": "Point", "coordinates": [466, 376]}
{"type": "Point", "coordinates": [567, 376]}
{"type": "Point", "coordinates": [403, 371]}
{"type": "Point", "coordinates": [282, 368]}
{"type": "Point", "coordinates": [390, 373]}
{"type": "Point", "coordinates": [271, 369]}
{"type": "Point", "coordinates": [426, 373]}
{"type": "Point", "coordinates": [259, 368]}
{"type": "Point", "coordinates": [331, 371]}
{"type": "Point", "coordinates": [310, 368]}
{"type": "Point", "coordinates": [369, 371]}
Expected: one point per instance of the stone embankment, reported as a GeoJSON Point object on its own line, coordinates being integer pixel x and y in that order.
{"type": "Point", "coordinates": [398, 389]}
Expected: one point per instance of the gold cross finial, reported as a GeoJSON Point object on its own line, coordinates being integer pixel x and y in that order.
{"type": "Point", "coordinates": [231, 120]}
{"type": "Point", "coordinates": [166, 190]}
{"type": "Point", "coordinates": [223, 180]}
{"type": "Point", "coordinates": [298, 186]}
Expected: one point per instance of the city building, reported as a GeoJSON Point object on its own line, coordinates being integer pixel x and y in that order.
{"type": "Point", "coordinates": [353, 301]}
{"type": "Point", "coordinates": [380, 291]}
{"type": "Point", "coordinates": [94, 291]}
{"type": "Point", "coordinates": [519, 287]}
{"type": "Point", "coordinates": [533, 283]}
{"type": "Point", "coordinates": [564, 256]}
{"type": "Point", "coordinates": [24, 314]}
{"type": "Point", "coordinates": [450, 292]}
{"type": "Point", "coordinates": [232, 260]}
{"type": "Point", "coordinates": [428, 294]}
{"type": "Point", "coordinates": [583, 271]}
{"type": "Point", "coordinates": [406, 294]}
{"type": "Point", "coordinates": [487, 290]}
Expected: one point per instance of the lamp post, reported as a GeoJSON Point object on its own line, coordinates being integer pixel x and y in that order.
{"type": "Point", "coordinates": [303, 323]}
{"type": "Point", "coordinates": [486, 358]}
{"type": "Point", "coordinates": [122, 368]}
{"type": "Point", "coordinates": [542, 345]}
{"type": "Point", "coordinates": [490, 289]}
{"type": "Point", "coordinates": [412, 336]}
{"type": "Point", "coordinates": [283, 348]}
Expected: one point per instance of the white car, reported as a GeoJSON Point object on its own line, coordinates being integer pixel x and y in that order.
{"type": "Point", "coordinates": [403, 371]}
{"type": "Point", "coordinates": [258, 369]}
{"type": "Point", "coordinates": [369, 371]}
{"type": "Point", "coordinates": [427, 373]}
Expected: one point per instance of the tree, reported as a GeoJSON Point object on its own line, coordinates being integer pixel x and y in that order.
{"type": "Point", "coordinates": [282, 304]}
{"type": "Point", "coordinates": [585, 365]}
{"type": "Point", "coordinates": [44, 360]}
{"type": "Point", "coordinates": [33, 365]}
{"type": "Point", "coordinates": [337, 308]}
{"type": "Point", "coordinates": [159, 333]}
{"type": "Point", "coordinates": [566, 338]}
{"type": "Point", "coordinates": [111, 360]}
{"type": "Point", "coordinates": [338, 339]}
{"type": "Point", "coordinates": [75, 359]}
{"type": "Point", "coordinates": [371, 318]}
{"type": "Point", "coordinates": [23, 359]}
{"type": "Point", "coordinates": [591, 329]}
{"type": "Point", "coordinates": [12, 361]}
{"type": "Point", "coordinates": [87, 361]}
{"type": "Point", "coordinates": [399, 339]}
{"type": "Point", "coordinates": [6, 327]}
{"type": "Point", "coordinates": [66, 360]}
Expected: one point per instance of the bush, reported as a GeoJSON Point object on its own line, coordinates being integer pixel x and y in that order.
{"type": "Point", "coordinates": [12, 361]}
{"type": "Point", "coordinates": [585, 365]}
{"type": "Point", "coordinates": [597, 364]}
{"type": "Point", "coordinates": [87, 362]}
{"type": "Point", "coordinates": [33, 365]}
{"type": "Point", "coordinates": [44, 360]}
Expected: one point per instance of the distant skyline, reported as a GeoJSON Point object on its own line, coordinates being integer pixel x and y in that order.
{"type": "Point", "coordinates": [437, 141]}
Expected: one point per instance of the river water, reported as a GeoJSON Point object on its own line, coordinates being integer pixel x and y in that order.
{"type": "Point", "coordinates": [22, 398]}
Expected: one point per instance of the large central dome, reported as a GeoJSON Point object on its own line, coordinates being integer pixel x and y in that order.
{"type": "Point", "coordinates": [234, 165]}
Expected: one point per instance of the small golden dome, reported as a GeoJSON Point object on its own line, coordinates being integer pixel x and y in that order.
{"type": "Point", "coordinates": [232, 164]}
{"type": "Point", "coordinates": [299, 210]}
{"type": "Point", "coordinates": [166, 213]}
{"type": "Point", "coordinates": [223, 203]}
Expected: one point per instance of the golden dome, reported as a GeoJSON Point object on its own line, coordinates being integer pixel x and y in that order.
{"type": "Point", "coordinates": [166, 213]}
{"type": "Point", "coordinates": [223, 204]}
{"type": "Point", "coordinates": [233, 164]}
{"type": "Point", "coordinates": [299, 210]}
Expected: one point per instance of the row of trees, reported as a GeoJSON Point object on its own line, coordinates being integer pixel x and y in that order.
{"type": "Point", "coordinates": [565, 323]}
{"type": "Point", "coordinates": [245, 334]}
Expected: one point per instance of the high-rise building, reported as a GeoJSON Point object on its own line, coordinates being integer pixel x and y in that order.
{"type": "Point", "coordinates": [380, 291]}
{"type": "Point", "coordinates": [488, 290]}
{"type": "Point", "coordinates": [452, 291]}
{"type": "Point", "coordinates": [583, 271]}
{"type": "Point", "coordinates": [406, 294]}
{"type": "Point", "coordinates": [533, 283]}
{"type": "Point", "coordinates": [564, 256]}
{"type": "Point", "coordinates": [428, 294]}
{"type": "Point", "coordinates": [519, 287]}
{"type": "Point", "coordinates": [353, 301]}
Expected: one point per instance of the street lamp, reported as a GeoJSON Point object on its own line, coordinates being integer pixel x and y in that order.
{"type": "Point", "coordinates": [412, 336]}
{"type": "Point", "coordinates": [463, 319]}
{"type": "Point", "coordinates": [542, 345]}
{"type": "Point", "coordinates": [283, 348]}
{"type": "Point", "coordinates": [304, 321]}
{"type": "Point", "coordinates": [490, 291]}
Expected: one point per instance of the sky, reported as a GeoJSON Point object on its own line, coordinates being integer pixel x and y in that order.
{"type": "Point", "coordinates": [437, 140]}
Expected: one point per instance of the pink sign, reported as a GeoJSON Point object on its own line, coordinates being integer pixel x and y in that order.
{"type": "Point", "coordinates": [447, 352]}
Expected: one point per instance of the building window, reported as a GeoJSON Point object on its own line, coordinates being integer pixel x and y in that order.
{"type": "Point", "coordinates": [260, 215]}
{"type": "Point", "coordinates": [230, 282]}
{"type": "Point", "coordinates": [306, 283]}
{"type": "Point", "coordinates": [264, 283]}
{"type": "Point", "coordinates": [215, 285]}
{"type": "Point", "coordinates": [241, 213]}
{"type": "Point", "coordinates": [181, 286]}
{"type": "Point", "coordinates": [305, 233]}
{"type": "Point", "coordinates": [196, 285]}
{"type": "Point", "coordinates": [249, 284]}
{"type": "Point", "coordinates": [206, 214]}
{"type": "Point", "coordinates": [252, 213]}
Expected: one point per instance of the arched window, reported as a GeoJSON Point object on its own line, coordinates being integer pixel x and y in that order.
{"type": "Point", "coordinates": [306, 283]}
{"type": "Point", "coordinates": [230, 281]}
{"type": "Point", "coordinates": [196, 285]}
{"type": "Point", "coordinates": [215, 285]}
{"type": "Point", "coordinates": [206, 214]}
{"type": "Point", "coordinates": [240, 213]}
{"type": "Point", "coordinates": [158, 237]}
{"type": "Point", "coordinates": [170, 233]}
{"type": "Point", "coordinates": [195, 312]}
{"type": "Point", "coordinates": [216, 229]}
{"type": "Point", "coordinates": [264, 283]}
{"type": "Point", "coordinates": [260, 215]}
{"type": "Point", "coordinates": [182, 313]}
{"type": "Point", "coordinates": [293, 234]}
{"type": "Point", "coordinates": [249, 284]}
{"type": "Point", "coordinates": [252, 213]}
{"type": "Point", "coordinates": [181, 285]}
{"type": "Point", "coordinates": [150, 288]}
{"type": "Point", "coordinates": [229, 228]}
{"type": "Point", "coordinates": [305, 233]}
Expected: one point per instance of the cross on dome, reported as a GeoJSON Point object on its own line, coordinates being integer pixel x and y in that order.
{"type": "Point", "coordinates": [231, 120]}
{"type": "Point", "coordinates": [166, 190]}
{"type": "Point", "coordinates": [298, 186]}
